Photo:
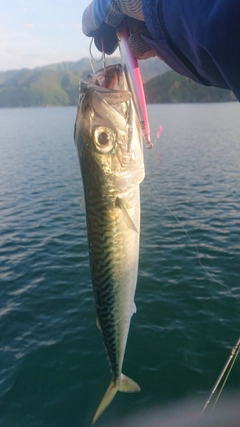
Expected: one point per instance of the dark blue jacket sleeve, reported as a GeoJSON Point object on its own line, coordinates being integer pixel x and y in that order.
{"type": "Point", "coordinates": [198, 38]}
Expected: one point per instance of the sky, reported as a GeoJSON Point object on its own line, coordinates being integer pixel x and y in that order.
{"type": "Point", "coordinates": [41, 32]}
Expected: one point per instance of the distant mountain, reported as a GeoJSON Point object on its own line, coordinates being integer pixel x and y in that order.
{"type": "Point", "coordinates": [56, 84]}
{"type": "Point", "coordinates": [50, 85]}
{"type": "Point", "coordinates": [172, 87]}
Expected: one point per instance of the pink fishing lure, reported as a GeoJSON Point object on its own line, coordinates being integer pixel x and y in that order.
{"type": "Point", "coordinates": [134, 78]}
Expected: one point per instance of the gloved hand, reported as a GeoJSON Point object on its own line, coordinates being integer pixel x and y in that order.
{"type": "Point", "coordinates": [102, 17]}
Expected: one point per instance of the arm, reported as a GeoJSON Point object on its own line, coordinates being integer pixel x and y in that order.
{"type": "Point", "coordinates": [199, 39]}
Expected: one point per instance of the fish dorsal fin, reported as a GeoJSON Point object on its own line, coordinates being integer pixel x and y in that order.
{"type": "Point", "coordinates": [128, 220]}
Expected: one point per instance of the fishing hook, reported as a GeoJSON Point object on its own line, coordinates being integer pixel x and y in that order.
{"type": "Point", "coordinates": [102, 58]}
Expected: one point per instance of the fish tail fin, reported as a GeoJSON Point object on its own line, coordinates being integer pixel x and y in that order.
{"type": "Point", "coordinates": [106, 400]}
{"type": "Point", "coordinates": [126, 385]}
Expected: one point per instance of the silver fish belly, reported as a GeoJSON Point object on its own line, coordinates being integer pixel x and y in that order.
{"type": "Point", "coordinates": [109, 146]}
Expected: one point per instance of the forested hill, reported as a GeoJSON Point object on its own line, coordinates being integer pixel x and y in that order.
{"type": "Point", "coordinates": [172, 87]}
{"type": "Point", "coordinates": [58, 85]}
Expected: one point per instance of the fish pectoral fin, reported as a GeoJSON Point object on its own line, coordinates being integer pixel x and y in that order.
{"type": "Point", "coordinates": [128, 220]}
{"type": "Point", "coordinates": [126, 385]}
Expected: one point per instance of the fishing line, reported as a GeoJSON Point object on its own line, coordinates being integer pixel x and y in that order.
{"type": "Point", "coordinates": [192, 242]}
{"type": "Point", "coordinates": [236, 349]}
{"type": "Point", "coordinates": [210, 275]}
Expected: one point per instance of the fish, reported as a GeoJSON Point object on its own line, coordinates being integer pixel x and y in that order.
{"type": "Point", "coordinates": [108, 140]}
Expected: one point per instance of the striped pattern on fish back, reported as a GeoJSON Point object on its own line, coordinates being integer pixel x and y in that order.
{"type": "Point", "coordinates": [107, 248]}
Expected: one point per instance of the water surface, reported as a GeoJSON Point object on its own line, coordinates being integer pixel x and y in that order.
{"type": "Point", "coordinates": [53, 367]}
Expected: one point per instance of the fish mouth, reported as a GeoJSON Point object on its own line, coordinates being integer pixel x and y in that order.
{"type": "Point", "coordinates": [111, 77]}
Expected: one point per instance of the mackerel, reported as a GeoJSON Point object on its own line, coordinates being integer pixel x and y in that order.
{"type": "Point", "coordinates": [109, 146]}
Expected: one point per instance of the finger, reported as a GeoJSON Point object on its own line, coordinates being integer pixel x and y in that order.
{"type": "Point", "coordinates": [106, 39]}
{"type": "Point", "coordinates": [140, 49]}
{"type": "Point", "coordinates": [137, 44]}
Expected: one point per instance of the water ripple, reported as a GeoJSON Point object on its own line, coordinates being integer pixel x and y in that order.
{"type": "Point", "coordinates": [53, 368]}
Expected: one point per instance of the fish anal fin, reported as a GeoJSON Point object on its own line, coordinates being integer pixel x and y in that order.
{"type": "Point", "coordinates": [82, 202]}
{"type": "Point", "coordinates": [128, 220]}
{"type": "Point", "coordinates": [98, 324]}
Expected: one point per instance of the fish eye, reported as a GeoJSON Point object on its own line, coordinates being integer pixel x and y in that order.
{"type": "Point", "coordinates": [104, 139]}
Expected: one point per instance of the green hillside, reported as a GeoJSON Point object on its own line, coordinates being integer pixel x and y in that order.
{"type": "Point", "coordinates": [56, 84]}
{"type": "Point", "coordinates": [53, 85]}
{"type": "Point", "coordinates": [172, 87]}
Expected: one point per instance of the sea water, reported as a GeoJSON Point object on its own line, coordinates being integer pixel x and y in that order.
{"type": "Point", "coordinates": [53, 366]}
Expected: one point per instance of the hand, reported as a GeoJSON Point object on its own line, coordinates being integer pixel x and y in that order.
{"type": "Point", "coordinates": [102, 17]}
